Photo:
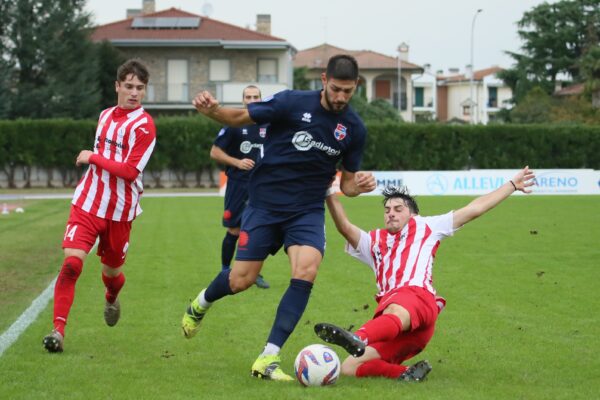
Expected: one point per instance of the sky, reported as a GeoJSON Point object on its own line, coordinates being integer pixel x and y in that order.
{"type": "Point", "coordinates": [438, 32]}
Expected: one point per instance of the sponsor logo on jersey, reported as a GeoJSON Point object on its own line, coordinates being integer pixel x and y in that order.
{"type": "Point", "coordinates": [244, 131]}
{"type": "Point", "coordinates": [340, 132]}
{"type": "Point", "coordinates": [246, 146]}
{"type": "Point", "coordinates": [306, 117]}
{"type": "Point", "coordinates": [304, 141]}
{"type": "Point", "coordinates": [262, 132]}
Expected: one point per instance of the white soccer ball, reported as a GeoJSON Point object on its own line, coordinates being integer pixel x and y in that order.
{"type": "Point", "coordinates": [317, 365]}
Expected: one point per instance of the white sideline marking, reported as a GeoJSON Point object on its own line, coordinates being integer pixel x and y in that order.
{"type": "Point", "coordinates": [37, 306]}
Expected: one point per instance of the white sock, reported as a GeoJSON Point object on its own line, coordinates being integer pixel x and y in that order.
{"type": "Point", "coordinates": [202, 301]}
{"type": "Point", "coordinates": [270, 349]}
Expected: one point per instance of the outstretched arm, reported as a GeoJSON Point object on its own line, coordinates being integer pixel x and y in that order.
{"type": "Point", "coordinates": [483, 204]}
{"type": "Point", "coordinates": [342, 223]}
{"type": "Point", "coordinates": [206, 104]}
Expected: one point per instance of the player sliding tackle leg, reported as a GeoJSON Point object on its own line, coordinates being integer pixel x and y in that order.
{"type": "Point", "coordinates": [401, 256]}
{"type": "Point", "coordinates": [310, 133]}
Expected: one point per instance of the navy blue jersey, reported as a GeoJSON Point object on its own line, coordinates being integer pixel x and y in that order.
{"type": "Point", "coordinates": [245, 142]}
{"type": "Point", "coordinates": [304, 146]}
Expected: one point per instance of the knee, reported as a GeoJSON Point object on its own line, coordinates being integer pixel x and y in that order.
{"type": "Point", "coordinates": [239, 283]}
{"type": "Point", "coordinates": [306, 273]}
{"type": "Point", "coordinates": [72, 267]}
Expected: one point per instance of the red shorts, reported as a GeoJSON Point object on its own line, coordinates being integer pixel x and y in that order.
{"type": "Point", "coordinates": [423, 310]}
{"type": "Point", "coordinates": [83, 228]}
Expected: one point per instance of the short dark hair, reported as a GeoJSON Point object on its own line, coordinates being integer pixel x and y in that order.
{"type": "Point", "coordinates": [133, 66]}
{"type": "Point", "coordinates": [343, 67]}
{"type": "Point", "coordinates": [251, 87]}
{"type": "Point", "coordinates": [400, 192]}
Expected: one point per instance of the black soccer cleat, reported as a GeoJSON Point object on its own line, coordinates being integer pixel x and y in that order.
{"type": "Point", "coordinates": [416, 372]}
{"type": "Point", "coordinates": [53, 342]}
{"type": "Point", "coordinates": [341, 337]}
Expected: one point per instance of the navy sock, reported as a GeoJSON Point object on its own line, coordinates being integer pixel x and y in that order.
{"type": "Point", "coordinates": [228, 249]}
{"type": "Point", "coordinates": [219, 287]}
{"type": "Point", "coordinates": [291, 307]}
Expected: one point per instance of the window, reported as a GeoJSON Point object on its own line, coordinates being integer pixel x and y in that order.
{"type": "Point", "coordinates": [267, 70]}
{"type": "Point", "coordinates": [219, 70]}
{"type": "Point", "coordinates": [177, 81]}
{"type": "Point", "coordinates": [316, 84]}
{"type": "Point", "coordinates": [492, 97]}
{"type": "Point", "coordinates": [467, 110]}
{"type": "Point", "coordinates": [419, 97]}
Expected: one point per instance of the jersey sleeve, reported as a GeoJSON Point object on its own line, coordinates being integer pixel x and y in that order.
{"type": "Point", "coordinates": [442, 224]}
{"type": "Point", "coordinates": [271, 109]}
{"type": "Point", "coordinates": [362, 252]}
{"type": "Point", "coordinates": [353, 157]}
{"type": "Point", "coordinates": [224, 138]}
{"type": "Point", "coordinates": [144, 139]}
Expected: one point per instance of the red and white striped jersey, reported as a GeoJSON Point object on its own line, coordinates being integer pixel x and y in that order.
{"type": "Point", "coordinates": [126, 136]}
{"type": "Point", "coordinates": [406, 257]}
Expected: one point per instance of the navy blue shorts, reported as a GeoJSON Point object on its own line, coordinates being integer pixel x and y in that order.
{"type": "Point", "coordinates": [264, 232]}
{"type": "Point", "coordinates": [236, 199]}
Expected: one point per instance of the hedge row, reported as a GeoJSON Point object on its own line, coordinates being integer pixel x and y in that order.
{"type": "Point", "coordinates": [183, 146]}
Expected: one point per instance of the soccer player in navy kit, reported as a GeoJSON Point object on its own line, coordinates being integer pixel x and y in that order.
{"type": "Point", "coordinates": [239, 149]}
{"type": "Point", "coordinates": [309, 133]}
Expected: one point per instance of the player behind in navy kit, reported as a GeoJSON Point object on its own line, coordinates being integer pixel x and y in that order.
{"type": "Point", "coordinates": [309, 133]}
{"type": "Point", "coordinates": [239, 149]}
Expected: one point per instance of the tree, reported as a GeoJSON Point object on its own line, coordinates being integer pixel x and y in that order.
{"type": "Point", "coordinates": [54, 66]}
{"type": "Point", "coordinates": [109, 59]}
{"type": "Point", "coordinates": [301, 82]}
{"type": "Point", "coordinates": [554, 37]}
{"type": "Point", "coordinates": [377, 110]}
{"type": "Point", "coordinates": [6, 66]}
{"type": "Point", "coordinates": [535, 107]}
{"type": "Point", "coordinates": [590, 71]}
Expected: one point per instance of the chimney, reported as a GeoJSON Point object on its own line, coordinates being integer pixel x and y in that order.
{"type": "Point", "coordinates": [453, 71]}
{"type": "Point", "coordinates": [427, 68]}
{"type": "Point", "coordinates": [263, 23]}
{"type": "Point", "coordinates": [148, 6]}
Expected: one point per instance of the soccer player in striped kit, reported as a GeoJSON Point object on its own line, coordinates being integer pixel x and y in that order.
{"type": "Point", "coordinates": [106, 200]}
{"type": "Point", "coordinates": [401, 256]}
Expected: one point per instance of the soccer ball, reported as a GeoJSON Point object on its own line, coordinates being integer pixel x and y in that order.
{"type": "Point", "coordinates": [317, 365]}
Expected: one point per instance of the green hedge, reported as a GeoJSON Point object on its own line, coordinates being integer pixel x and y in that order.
{"type": "Point", "coordinates": [183, 146]}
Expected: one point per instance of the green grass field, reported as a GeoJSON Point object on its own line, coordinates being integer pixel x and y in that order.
{"type": "Point", "coordinates": [522, 318]}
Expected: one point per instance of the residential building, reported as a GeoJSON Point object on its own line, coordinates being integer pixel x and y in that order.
{"type": "Point", "coordinates": [186, 53]}
{"type": "Point", "coordinates": [490, 95]}
{"type": "Point", "coordinates": [378, 74]}
{"type": "Point", "coordinates": [425, 95]}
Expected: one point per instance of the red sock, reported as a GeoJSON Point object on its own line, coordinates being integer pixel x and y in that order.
{"type": "Point", "coordinates": [113, 286]}
{"type": "Point", "coordinates": [385, 327]}
{"type": "Point", "coordinates": [379, 367]}
{"type": "Point", "coordinates": [64, 291]}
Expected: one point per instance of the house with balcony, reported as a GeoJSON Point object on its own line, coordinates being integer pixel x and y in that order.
{"type": "Point", "coordinates": [473, 101]}
{"type": "Point", "coordinates": [378, 74]}
{"type": "Point", "coordinates": [186, 53]}
{"type": "Point", "coordinates": [424, 95]}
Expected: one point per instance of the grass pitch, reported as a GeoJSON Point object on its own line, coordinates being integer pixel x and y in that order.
{"type": "Point", "coordinates": [521, 322]}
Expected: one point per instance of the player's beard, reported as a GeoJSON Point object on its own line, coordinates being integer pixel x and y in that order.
{"type": "Point", "coordinates": [337, 108]}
